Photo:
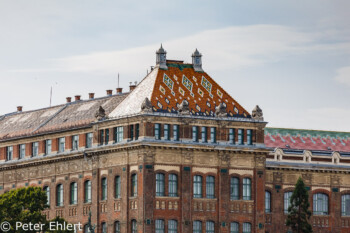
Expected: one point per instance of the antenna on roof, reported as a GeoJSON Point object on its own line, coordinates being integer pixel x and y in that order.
{"type": "Point", "coordinates": [118, 80]}
{"type": "Point", "coordinates": [50, 96]}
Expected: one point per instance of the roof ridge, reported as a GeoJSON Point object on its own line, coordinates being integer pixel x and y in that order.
{"type": "Point", "coordinates": [50, 118]}
{"type": "Point", "coordinates": [313, 130]}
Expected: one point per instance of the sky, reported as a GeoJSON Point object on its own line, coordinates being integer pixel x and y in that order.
{"type": "Point", "coordinates": [292, 58]}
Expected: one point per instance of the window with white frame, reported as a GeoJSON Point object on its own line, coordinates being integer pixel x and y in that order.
{"type": "Point", "coordinates": [213, 135]}
{"type": "Point", "coordinates": [9, 153]}
{"type": "Point", "coordinates": [157, 131]}
{"type": "Point", "coordinates": [22, 151]}
{"type": "Point", "coordinates": [48, 146]}
{"type": "Point", "coordinates": [247, 189]}
{"type": "Point", "coordinates": [88, 140]}
{"type": "Point", "coordinates": [172, 185]}
{"type": "Point", "coordinates": [267, 202]}
{"type": "Point", "coordinates": [234, 227]}
{"type": "Point", "coordinates": [231, 136]}
{"type": "Point", "coordinates": [210, 187]}
{"type": "Point", "coordinates": [247, 227]}
{"type": "Point", "coordinates": [234, 188]}
{"type": "Point", "coordinates": [172, 226]}
{"type": "Point", "coordinates": [159, 225]}
{"type": "Point", "coordinates": [209, 227]}
{"type": "Point", "coordinates": [61, 144]}
{"type": "Point", "coordinates": [35, 149]}
{"type": "Point", "coordinates": [197, 227]}
{"type": "Point", "coordinates": [287, 196]}
{"type": "Point", "coordinates": [197, 186]}
{"type": "Point", "coordinates": [176, 132]}
{"type": "Point", "coordinates": [195, 133]}
{"type": "Point", "coordinates": [160, 179]}
{"type": "Point", "coordinates": [166, 132]}
{"type": "Point", "coordinates": [118, 134]}
{"type": "Point", "coordinates": [204, 134]}
{"type": "Point", "coordinates": [320, 204]}
{"type": "Point", "coordinates": [345, 205]}
{"type": "Point", "coordinates": [75, 142]}
{"type": "Point", "coordinates": [240, 137]}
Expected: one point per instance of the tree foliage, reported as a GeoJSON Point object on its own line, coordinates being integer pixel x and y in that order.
{"type": "Point", "coordinates": [298, 211]}
{"type": "Point", "coordinates": [25, 205]}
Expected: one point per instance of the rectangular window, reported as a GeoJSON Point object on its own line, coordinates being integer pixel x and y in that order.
{"type": "Point", "coordinates": [104, 188]}
{"type": "Point", "coordinates": [195, 133]}
{"type": "Point", "coordinates": [197, 187]}
{"type": "Point", "coordinates": [247, 189]}
{"type": "Point", "coordinates": [159, 226]}
{"type": "Point", "coordinates": [48, 146]}
{"type": "Point", "coordinates": [166, 132]}
{"type": "Point", "coordinates": [172, 185]}
{"type": "Point", "coordinates": [118, 134]}
{"type": "Point", "coordinates": [240, 137]}
{"type": "Point", "coordinates": [137, 131]}
{"type": "Point", "coordinates": [231, 136]}
{"type": "Point", "coordinates": [172, 226]}
{"type": "Point", "coordinates": [131, 132]}
{"type": "Point", "coordinates": [102, 137]}
{"type": "Point", "coordinates": [35, 149]}
{"type": "Point", "coordinates": [267, 202]}
{"type": "Point", "coordinates": [134, 185]}
{"type": "Point", "coordinates": [210, 187]}
{"type": "Point", "coordinates": [157, 131]}
{"type": "Point", "coordinates": [234, 188]}
{"type": "Point", "coordinates": [9, 153]}
{"type": "Point", "coordinates": [160, 180]}
{"type": "Point", "coordinates": [345, 205]}
{"type": "Point", "coordinates": [213, 135]}
{"type": "Point", "coordinates": [75, 142]}
{"type": "Point", "coordinates": [287, 196]}
{"type": "Point", "coordinates": [204, 134]}
{"type": "Point", "coordinates": [89, 140]}
{"type": "Point", "coordinates": [22, 151]}
{"type": "Point", "coordinates": [176, 132]}
{"type": "Point", "coordinates": [107, 136]}
{"type": "Point", "coordinates": [61, 144]}
{"type": "Point", "coordinates": [117, 186]}
{"type": "Point", "coordinates": [249, 137]}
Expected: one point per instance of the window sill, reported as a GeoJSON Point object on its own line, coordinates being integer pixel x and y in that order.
{"type": "Point", "coordinates": [73, 205]}
{"type": "Point", "coordinates": [204, 199]}
{"type": "Point", "coordinates": [167, 197]}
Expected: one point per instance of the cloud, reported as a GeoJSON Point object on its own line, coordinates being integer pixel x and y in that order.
{"type": "Point", "coordinates": [343, 75]}
{"type": "Point", "coordinates": [228, 48]}
{"type": "Point", "coordinates": [326, 118]}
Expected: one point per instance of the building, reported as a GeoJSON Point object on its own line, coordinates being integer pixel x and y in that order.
{"type": "Point", "coordinates": [174, 154]}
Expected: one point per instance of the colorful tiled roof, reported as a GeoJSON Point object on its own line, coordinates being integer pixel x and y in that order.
{"type": "Point", "coordinates": [307, 139]}
{"type": "Point", "coordinates": [167, 89]}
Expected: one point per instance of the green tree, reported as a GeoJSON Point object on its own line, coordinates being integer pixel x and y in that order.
{"type": "Point", "coordinates": [25, 205]}
{"type": "Point", "coordinates": [298, 211]}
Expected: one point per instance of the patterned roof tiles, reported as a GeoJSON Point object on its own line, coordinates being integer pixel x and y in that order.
{"type": "Point", "coordinates": [307, 139]}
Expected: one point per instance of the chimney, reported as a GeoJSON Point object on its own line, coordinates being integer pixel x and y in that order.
{"type": "Point", "coordinates": [109, 92]}
{"type": "Point", "coordinates": [19, 108]}
{"type": "Point", "coordinates": [77, 97]}
{"type": "Point", "coordinates": [132, 86]}
{"type": "Point", "coordinates": [69, 99]}
{"type": "Point", "coordinates": [91, 96]}
{"type": "Point", "coordinates": [119, 90]}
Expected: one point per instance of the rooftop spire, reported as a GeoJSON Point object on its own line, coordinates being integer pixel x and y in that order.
{"type": "Point", "coordinates": [197, 61]}
{"type": "Point", "coordinates": [161, 58]}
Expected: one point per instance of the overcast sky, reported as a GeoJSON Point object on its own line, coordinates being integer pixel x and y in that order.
{"type": "Point", "coordinates": [292, 58]}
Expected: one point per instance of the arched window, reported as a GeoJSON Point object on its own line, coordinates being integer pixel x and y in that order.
{"type": "Point", "coordinates": [197, 186]}
{"type": "Point", "coordinates": [210, 187]}
{"type": "Point", "coordinates": [47, 192]}
{"type": "Point", "coordinates": [59, 195]}
{"type": "Point", "coordinates": [73, 193]}
{"type": "Point", "coordinates": [320, 204]}
{"type": "Point", "coordinates": [86, 229]}
{"type": "Point", "coordinates": [117, 227]}
{"type": "Point", "coordinates": [209, 227]}
{"type": "Point", "coordinates": [197, 227]}
{"type": "Point", "coordinates": [247, 227]}
{"type": "Point", "coordinates": [247, 189]}
{"type": "Point", "coordinates": [345, 205]}
{"type": "Point", "coordinates": [159, 226]}
{"type": "Point", "coordinates": [104, 227]}
{"type": "Point", "coordinates": [234, 188]}
{"type": "Point", "coordinates": [160, 184]}
{"type": "Point", "coordinates": [172, 185]}
{"type": "Point", "coordinates": [87, 191]}
{"type": "Point", "coordinates": [267, 202]}
{"type": "Point", "coordinates": [104, 188]}
{"type": "Point", "coordinates": [117, 185]}
{"type": "Point", "coordinates": [133, 226]}
{"type": "Point", "coordinates": [287, 196]}
{"type": "Point", "coordinates": [234, 227]}
{"type": "Point", "coordinates": [172, 226]}
{"type": "Point", "coordinates": [134, 185]}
